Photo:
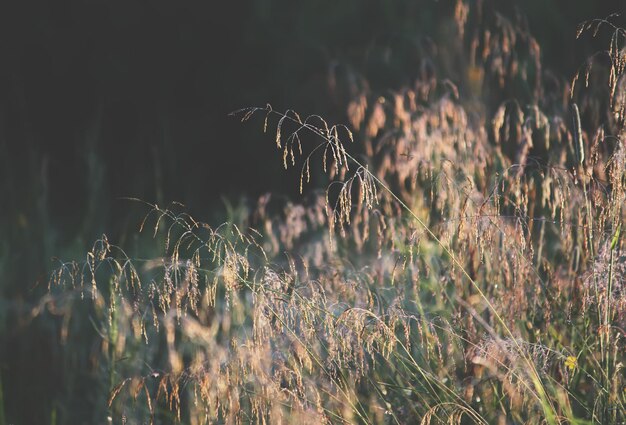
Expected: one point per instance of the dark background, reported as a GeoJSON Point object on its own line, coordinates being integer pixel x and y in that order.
{"type": "Point", "coordinates": [101, 100]}
{"type": "Point", "coordinates": [130, 98]}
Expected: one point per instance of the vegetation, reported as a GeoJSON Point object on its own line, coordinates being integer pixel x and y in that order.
{"type": "Point", "coordinates": [457, 257]}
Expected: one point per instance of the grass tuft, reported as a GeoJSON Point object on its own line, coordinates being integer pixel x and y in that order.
{"type": "Point", "coordinates": [462, 262]}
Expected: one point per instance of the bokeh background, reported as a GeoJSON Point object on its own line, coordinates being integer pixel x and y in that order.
{"type": "Point", "coordinates": [102, 100]}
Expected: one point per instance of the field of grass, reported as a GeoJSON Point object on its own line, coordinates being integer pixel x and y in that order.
{"type": "Point", "coordinates": [457, 256]}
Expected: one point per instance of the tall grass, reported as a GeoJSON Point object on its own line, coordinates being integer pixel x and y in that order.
{"type": "Point", "coordinates": [464, 263]}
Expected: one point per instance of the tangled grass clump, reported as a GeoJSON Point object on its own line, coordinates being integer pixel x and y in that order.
{"type": "Point", "coordinates": [465, 268]}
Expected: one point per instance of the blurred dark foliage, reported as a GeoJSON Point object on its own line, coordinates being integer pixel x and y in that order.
{"type": "Point", "coordinates": [135, 95]}
{"type": "Point", "coordinates": [107, 99]}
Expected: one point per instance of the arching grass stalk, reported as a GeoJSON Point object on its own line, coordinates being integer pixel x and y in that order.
{"type": "Point", "coordinates": [332, 143]}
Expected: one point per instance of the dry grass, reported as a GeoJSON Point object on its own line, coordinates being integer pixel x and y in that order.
{"type": "Point", "coordinates": [467, 268]}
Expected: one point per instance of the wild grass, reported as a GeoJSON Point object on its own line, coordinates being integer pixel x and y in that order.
{"type": "Point", "coordinates": [464, 265]}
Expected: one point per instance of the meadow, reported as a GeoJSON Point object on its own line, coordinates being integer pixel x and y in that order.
{"type": "Point", "coordinates": [457, 256]}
